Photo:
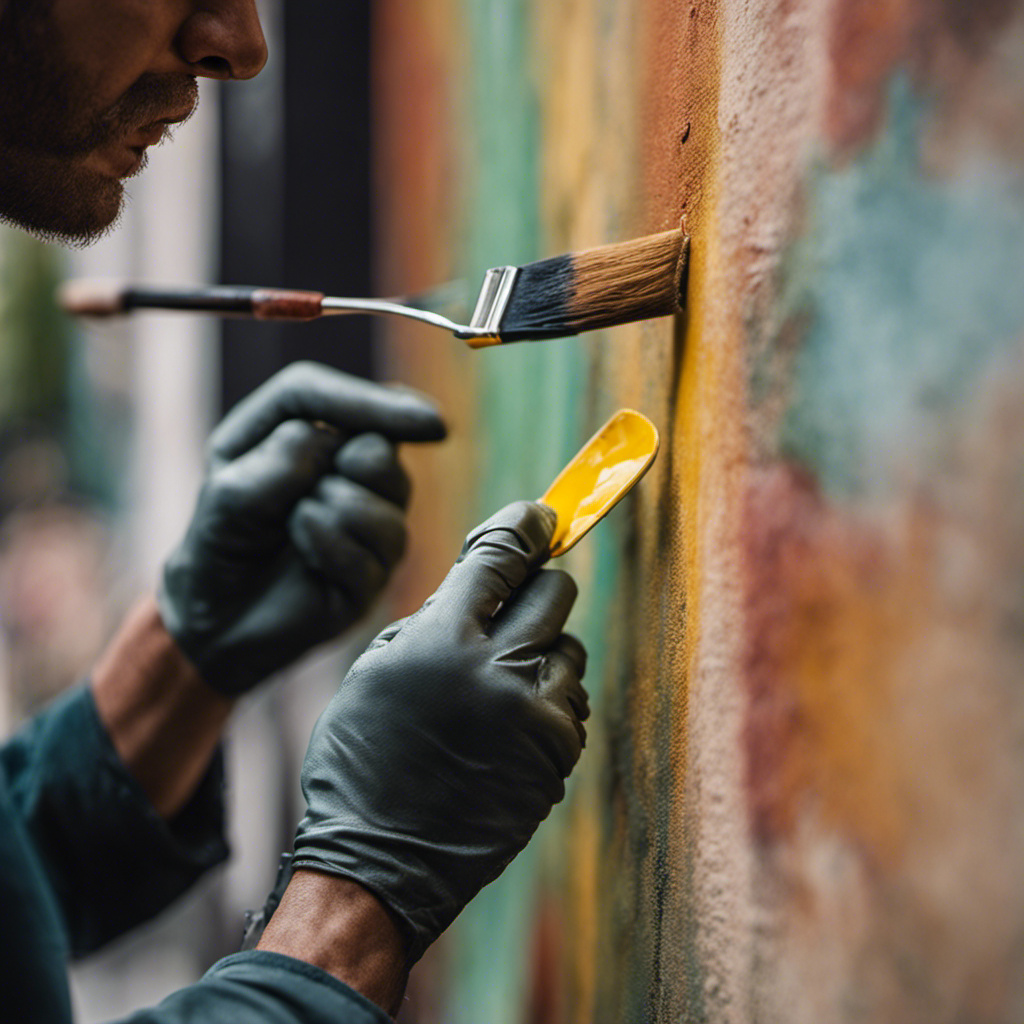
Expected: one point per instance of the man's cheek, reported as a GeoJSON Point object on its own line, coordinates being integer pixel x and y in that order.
{"type": "Point", "coordinates": [107, 46]}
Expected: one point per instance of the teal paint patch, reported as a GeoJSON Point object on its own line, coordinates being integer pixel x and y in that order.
{"type": "Point", "coordinates": [909, 285]}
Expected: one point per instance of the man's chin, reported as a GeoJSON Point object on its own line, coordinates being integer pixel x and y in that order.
{"type": "Point", "coordinates": [58, 200]}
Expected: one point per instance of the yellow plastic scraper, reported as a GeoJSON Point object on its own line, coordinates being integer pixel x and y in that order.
{"type": "Point", "coordinates": [603, 472]}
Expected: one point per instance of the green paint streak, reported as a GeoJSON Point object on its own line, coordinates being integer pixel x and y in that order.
{"type": "Point", "coordinates": [911, 286]}
{"type": "Point", "coordinates": [533, 415]}
{"type": "Point", "coordinates": [528, 392]}
{"type": "Point", "coordinates": [528, 426]}
{"type": "Point", "coordinates": [488, 946]}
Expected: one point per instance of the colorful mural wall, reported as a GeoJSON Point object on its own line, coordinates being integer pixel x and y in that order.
{"type": "Point", "coordinates": [802, 798]}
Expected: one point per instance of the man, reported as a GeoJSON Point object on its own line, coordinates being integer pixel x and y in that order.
{"type": "Point", "coordinates": [450, 738]}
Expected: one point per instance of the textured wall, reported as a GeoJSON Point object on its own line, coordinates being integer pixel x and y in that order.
{"type": "Point", "coordinates": [803, 796]}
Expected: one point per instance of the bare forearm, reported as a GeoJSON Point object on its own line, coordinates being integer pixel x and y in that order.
{"type": "Point", "coordinates": [340, 927]}
{"type": "Point", "coordinates": [163, 720]}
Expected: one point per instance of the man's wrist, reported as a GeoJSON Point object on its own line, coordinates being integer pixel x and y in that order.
{"type": "Point", "coordinates": [335, 924]}
{"type": "Point", "coordinates": [162, 718]}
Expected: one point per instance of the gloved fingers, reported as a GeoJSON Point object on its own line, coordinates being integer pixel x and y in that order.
{"type": "Point", "coordinates": [345, 561]}
{"type": "Point", "coordinates": [559, 688]}
{"type": "Point", "coordinates": [372, 461]}
{"type": "Point", "coordinates": [570, 647]}
{"type": "Point", "coordinates": [497, 558]}
{"type": "Point", "coordinates": [533, 617]}
{"type": "Point", "coordinates": [269, 478]}
{"type": "Point", "coordinates": [344, 507]}
{"type": "Point", "coordinates": [559, 731]}
{"type": "Point", "coordinates": [310, 391]}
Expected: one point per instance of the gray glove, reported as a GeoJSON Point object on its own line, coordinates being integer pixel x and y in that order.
{"type": "Point", "coordinates": [449, 740]}
{"type": "Point", "coordinates": [298, 524]}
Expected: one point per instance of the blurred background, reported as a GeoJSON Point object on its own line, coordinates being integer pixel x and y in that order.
{"type": "Point", "coordinates": [102, 428]}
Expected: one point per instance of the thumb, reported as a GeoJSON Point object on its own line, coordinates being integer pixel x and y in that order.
{"type": "Point", "coordinates": [387, 634]}
{"type": "Point", "coordinates": [498, 556]}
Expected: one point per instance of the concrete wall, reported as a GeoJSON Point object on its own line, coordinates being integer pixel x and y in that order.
{"type": "Point", "coordinates": [803, 795]}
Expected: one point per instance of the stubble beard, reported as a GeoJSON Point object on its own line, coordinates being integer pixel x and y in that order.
{"type": "Point", "coordinates": [48, 128]}
{"type": "Point", "coordinates": [58, 201]}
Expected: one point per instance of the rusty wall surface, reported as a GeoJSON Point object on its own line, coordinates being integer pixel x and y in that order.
{"type": "Point", "coordinates": [803, 795]}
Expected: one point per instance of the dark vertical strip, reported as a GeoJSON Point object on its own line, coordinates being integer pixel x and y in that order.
{"type": "Point", "coordinates": [296, 190]}
{"type": "Point", "coordinates": [327, 233]}
{"type": "Point", "coordinates": [253, 214]}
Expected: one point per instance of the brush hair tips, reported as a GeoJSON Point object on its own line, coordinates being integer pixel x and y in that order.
{"type": "Point", "coordinates": [602, 287]}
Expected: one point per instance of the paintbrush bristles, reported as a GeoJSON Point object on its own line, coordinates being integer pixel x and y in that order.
{"type": "Point", "coordinates": [629, 281]}
{"type": "Point", "coordinates": [601, 287]}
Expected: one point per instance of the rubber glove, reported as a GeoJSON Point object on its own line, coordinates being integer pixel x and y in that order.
{"type": "Point", "coordinates": [298, 523]}
{"type": "Point", "coordinates": [449, 740]}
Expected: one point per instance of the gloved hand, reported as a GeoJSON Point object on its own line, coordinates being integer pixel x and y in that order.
{"type": "Point", "coordinates": [449, 739]}
{"type": "Point", "coordinates": [298, 523]}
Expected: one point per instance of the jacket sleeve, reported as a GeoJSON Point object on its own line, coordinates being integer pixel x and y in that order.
{"type": "Point", "coordinates": [259, 987]}
{"type": "Point", "coordinates": [110, 859]}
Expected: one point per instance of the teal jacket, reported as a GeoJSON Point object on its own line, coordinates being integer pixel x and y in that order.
{"type": "Point", "coordinates": [84, 858]}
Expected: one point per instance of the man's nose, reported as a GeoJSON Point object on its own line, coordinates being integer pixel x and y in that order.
{"type": "Point", "coordinates": [223, 39]}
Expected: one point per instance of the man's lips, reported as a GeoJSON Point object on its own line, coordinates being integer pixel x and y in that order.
{"type": "Point", "coordinates": [115, 160]}
{"type": "Point", "coordinates": [122, 157]}
{"type": "Point", "coordinates": [152, 133]}
{"type": "Point", "coordinates": [148, 136]}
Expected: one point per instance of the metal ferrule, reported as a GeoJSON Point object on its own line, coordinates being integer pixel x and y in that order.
{"type": "Point", "coordinates": [495, 292]}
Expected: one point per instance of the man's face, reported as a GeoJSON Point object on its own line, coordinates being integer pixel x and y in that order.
{"type": "Point", "coordinates": [86, 86]}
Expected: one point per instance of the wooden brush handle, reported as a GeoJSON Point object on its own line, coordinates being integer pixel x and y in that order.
{"type": "Point", "coordinates": [99, 298]}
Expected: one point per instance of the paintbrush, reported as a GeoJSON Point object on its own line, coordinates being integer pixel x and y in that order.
{"type": "Point", "coordinates": [551, 298]}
